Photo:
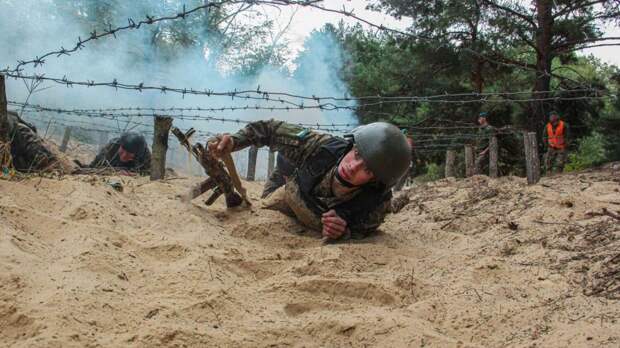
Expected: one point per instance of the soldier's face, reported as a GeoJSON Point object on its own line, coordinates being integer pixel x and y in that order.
{"type": "Point", "coordinates": [353, 169]}
{"type": "Point", "coordinates": [124, 155]}
{"type": "Point", "coordinates": [554, 119]}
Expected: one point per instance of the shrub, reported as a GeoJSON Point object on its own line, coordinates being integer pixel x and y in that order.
{"type": "Point", "coordinates": [591, 152]}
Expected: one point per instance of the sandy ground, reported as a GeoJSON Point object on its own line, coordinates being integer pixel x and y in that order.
{"type": "Point", "coordinates": [468, 263]}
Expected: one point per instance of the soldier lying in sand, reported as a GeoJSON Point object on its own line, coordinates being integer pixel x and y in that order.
{"type": "Point", "coordinates": [341, 187]}
{"type": "Point", "coordinates": [29, 152]}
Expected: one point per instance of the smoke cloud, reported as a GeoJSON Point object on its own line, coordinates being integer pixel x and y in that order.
{"type": "Point", "coordinates": [34, 27]}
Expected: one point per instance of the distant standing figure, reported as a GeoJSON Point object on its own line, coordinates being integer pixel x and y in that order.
{"type": "Point", "coordinates": [556, 136]}
{"type": "Point", "coordinates": [485, 132]}
{"type": "Point", "coordinates": [128, 153]}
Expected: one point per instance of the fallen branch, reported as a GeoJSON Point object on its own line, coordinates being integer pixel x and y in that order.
{"type": "Point", "coordinates": [604, 212]}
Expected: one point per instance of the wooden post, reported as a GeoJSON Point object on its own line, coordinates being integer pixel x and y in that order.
{"type": "Point", "coordinates": [532, 162]}
{"type": "Point", "coordinates": [4, 124]}
{"type": "Point", "coordinates": [252, 154]}
{"type": "Point", "coordinates": [450, 159]}
{"type": "Point", "coordinates": [270, 163]}
{"type": "Point", "coordinates": [493, 156]}
{"type": "Point", "coordinates": [160, 147]}
{"type": "Point", "coordinates": [469, 160]}
{"type": "Point", "coordinates": [65, 139]}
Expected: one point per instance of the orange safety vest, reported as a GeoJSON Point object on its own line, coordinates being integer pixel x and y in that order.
{"type": "Point", "coordinates": [556, 139]}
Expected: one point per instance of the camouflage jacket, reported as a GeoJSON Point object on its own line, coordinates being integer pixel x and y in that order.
{"type": "Point", "coordinates": [108, 157]}
{"type": "Point", "coordinates": [28, 150]}
{"type": "Point", "coordinates": [299, 145]}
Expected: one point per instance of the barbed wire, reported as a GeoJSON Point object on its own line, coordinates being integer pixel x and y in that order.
{"type": "Point", "coordinates": [329, 127]}
{"type": "Point", "coordinates": [419, 138]}
{"type": "Point", "coordinates": [113, 116]}
{"type": "Point", "coordinates": [329, 104]}
{"type": "Point", "coordinates": [149, 20]}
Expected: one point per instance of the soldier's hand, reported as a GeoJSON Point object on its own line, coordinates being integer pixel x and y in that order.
{"type": "Point", "coordinates": [333, 225]}
{"type": "Point", "coordinates": [221, 145]}
{"type": "Point", "coordinates": [124, 172]}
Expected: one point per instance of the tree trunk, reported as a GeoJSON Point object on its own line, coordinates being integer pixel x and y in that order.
{"type": "Point", "coordinates": [544, 57]}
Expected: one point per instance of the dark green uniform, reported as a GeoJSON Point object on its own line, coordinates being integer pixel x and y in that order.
{"type": "Point", "coordinates": [29, 151]}
{"type": "Point", "coordinates": [482, 146]}
{"type": "Point", "coordinates": [301, 147]}
{"type": "Point", "coordinates": [108, 158]}
{"type": "Point", "coordinates": [278, 177]}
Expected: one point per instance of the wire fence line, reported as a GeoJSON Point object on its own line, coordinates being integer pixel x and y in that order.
{"type": "Point", "coordinates": [148, 20]}
{"type": "Point", "coordinates": [419, 135]}
{"type": "Point", "coordinates": [417, 131]}
{"type": "Point", "coordinates": [181, 15]}
{"type": "Point", "coordinates": [329, 103]}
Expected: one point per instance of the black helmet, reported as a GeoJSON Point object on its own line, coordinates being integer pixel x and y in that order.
{"type": "Point", "coordinates": [133, 143]}
{"type": "Point", "coordinates": [385, 150]}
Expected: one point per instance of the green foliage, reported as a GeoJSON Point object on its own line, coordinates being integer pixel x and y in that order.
{"type": "Point", "coordinates": [434, 172]}
{"type": "Point", "coordinates": [591, 152]}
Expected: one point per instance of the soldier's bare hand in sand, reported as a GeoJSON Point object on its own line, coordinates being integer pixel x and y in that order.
{"type": "Point", "coordinates": [221, 145]}
{"type": "Point", "coordinates": [333, 225]}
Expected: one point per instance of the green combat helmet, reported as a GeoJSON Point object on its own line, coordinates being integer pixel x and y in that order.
{"type": "Point", "coordinates": [385, 150]}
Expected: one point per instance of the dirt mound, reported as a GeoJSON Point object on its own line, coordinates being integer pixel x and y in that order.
{"type": "Point", "coordinates": [466, 263]}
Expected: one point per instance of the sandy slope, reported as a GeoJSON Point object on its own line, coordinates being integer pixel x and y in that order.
{"type": "Point", "coordinates": [467, 263]}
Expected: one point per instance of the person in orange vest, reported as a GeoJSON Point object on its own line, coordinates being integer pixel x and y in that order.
{"type": "Point", "coordinates": [556, 137]}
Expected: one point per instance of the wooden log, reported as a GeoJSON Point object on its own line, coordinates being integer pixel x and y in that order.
{"type": "Point", "coordinates": [450, 160]}
{"type": "Point", "coordinates": [160, 147]}
{"type": "Point", "coordinates": [271, 163]}
{"type": "Point", "coordinates": [4, 124]}
{"type": "Point", "coordinates": [469, 160]}
{"type": "Point", "coordinates": [252, 155]}
{"type": "Point", "coordinates": [532, 162]}
{"type": "Point", "coordinates": [493, 157]}
{"type": "Point", "coordinates": [65, 139]}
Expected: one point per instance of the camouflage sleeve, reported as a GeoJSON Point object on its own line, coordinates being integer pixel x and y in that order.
{"type": "Point", "coordinates": [292, 141]}
{"type": "Point", "coordinates": [144, 167]}
{"type": "Point", "coordinates": [102, 158]}
{"type": "Point", "coordinates": [34, 154]}
{"type": "Point", "coordinates": [373, 220]}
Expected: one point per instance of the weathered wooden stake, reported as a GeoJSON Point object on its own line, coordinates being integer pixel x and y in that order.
{"type": "Point", "coordinates": [4, 124]}
{"type": "Point", "coordinates": [493, 157]}
{"type": "Point", "coordinates": [532, 162]}
{"type": "Point", "coordinates": [469, 160]}
{"type": "Point", "coordinates": [450, 159]}
{"type": "Point", "coordinates": [271, 162]}
{"type": "Point", "coordinates": [252, 154]}
{"type": "Point", "coordinates": [65, 139]}
{"type": "Point", "coordinates": [160, 147]}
